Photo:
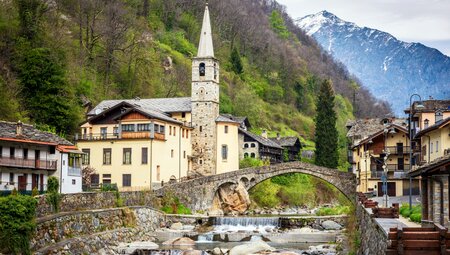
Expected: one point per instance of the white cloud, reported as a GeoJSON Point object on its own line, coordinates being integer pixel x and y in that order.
{"type": "Point", "coordinates": [424, 21]}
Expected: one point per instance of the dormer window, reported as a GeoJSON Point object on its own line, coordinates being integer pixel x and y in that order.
{"type": "Point", "coordinates": [438, 115]}
{"type": "Point", "coordinates": [426, 123]}
{"type": "Point", "coordinates": [202, 69]}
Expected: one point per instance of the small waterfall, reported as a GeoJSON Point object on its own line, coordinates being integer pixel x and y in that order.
{"type": "Point", "coordinates": [247, 221]}
{"type": "Point", "coordinates": [205, 238]}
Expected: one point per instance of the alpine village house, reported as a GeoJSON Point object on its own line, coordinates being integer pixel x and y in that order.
{"type": "Point", "coordinates": [29, 156]}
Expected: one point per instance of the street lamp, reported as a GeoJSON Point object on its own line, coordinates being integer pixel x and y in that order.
{"type": "Point", "coordinates": [411, 109]}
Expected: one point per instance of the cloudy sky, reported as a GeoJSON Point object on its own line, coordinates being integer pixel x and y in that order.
{"type": "Point", "coordinates": [424, 21]}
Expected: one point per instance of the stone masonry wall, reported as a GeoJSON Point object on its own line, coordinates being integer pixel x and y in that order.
{"type": "Point", "coordinates": [64, 226]}
{"type": "Point", "coordinates": [95, 200]}
{"type": "Point", "coordinates": [373, 238]}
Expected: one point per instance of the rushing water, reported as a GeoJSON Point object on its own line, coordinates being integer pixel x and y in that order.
{"type": "Point", "coordinates": [246, 224]}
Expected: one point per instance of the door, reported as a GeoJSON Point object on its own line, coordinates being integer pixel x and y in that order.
{"type": "Point", "coordinates": [401, 164]}
{"type": "Point", "coordinates": [34, 181]}
{"type": "Point", "coordinates": [23, 182]}
{"type": "Point", "coordinates": [41, 182]}
{"type": "Point", "coordinates": [37, 156]}
{"type": "Point", "coordinates": [400, 148]}
{"type": "Point", "coordinates": [391, 189]}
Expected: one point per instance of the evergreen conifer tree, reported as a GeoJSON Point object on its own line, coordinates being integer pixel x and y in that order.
{"type": "Point", "coordinates": [236, 63]}
{"type": "Point", "coordinates": [326, 135]}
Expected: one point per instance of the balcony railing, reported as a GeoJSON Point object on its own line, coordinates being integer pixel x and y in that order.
{"type": "Point", "coordinates": [396, 174]}
{"type": "Point", "coordinates": [116, 136]}
{"type": "Point", "coordinates": [390, 167]}
{"type": "Point", "coordinates": [400, 150]}
{"type": "Point", "coordinates": [28, 163]}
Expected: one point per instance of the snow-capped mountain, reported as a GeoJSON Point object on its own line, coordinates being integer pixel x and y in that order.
{"type": "Point", "coordinates": [391, 69]}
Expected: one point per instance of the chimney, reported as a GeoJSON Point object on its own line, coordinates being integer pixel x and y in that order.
{"type": "Point", "coordinates": [19, 127]}
{"type": "Point", "coordinates": [264, 133]}
{"type": "Point", "coordinates": [278, 136]}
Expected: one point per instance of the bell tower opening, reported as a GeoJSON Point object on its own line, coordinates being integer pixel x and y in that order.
{"type": "Point", "coordinates": [202, 69]}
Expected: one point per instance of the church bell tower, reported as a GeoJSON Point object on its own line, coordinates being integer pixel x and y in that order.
{"type": "Point", "coordinates": [205, 103]}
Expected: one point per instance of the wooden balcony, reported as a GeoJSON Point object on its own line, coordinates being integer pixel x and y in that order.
{"type": "Point", "coordinates": [398, 150]}
{"type": "Point", "coordinates": [28, 163]}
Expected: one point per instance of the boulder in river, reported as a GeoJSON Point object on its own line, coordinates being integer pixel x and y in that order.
{"type": "Point", "coordinates": [250, 248]}
{"type": "Point", "coordinates": [177, 226]}
{"type": "Point", "coordinates": [331, 225]}
{"type": "Point", "coordinates": [182, 241]}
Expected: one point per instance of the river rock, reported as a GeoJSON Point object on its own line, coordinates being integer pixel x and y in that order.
{"type": "Point", "coordinates": [193, 252]}
{"type": "Point", "coordinates": [331, 225]}
{"type": "Point", "coordinates": [177, 226]}
{"type": "Point", "coordinates": [250, 248]}
{"type": "Point", "coordinates": [182, 241]}
{"type": "Point", "coordinates": [219, 251]}
{"type": "Point", "coordinates": [129, 248]}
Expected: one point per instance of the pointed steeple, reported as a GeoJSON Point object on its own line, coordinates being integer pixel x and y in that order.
{"type": "Point", "coordinates": [205, 47]}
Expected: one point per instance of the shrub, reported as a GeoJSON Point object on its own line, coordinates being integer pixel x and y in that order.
{"type": "Point", "coordinates": [337, 210]}
{"type": "Point", "coordinates": [16, 223]}
{"type": "Point", "coordinates": [171, 204]}
{"type": "Point", "coordinates": [250, 162]}
{"type": "Point", "coordinates": [109, 187]}
{"type": "Point", "coordinates": [34, 192]}
{"type": "Point", "coordinates": [53, 197]}
{"type": "Point", "coordinates": [416, 217]}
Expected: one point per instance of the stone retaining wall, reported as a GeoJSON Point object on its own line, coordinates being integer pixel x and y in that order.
{"type": "Point", "coordinates": [311, 221]}
{"type": "Point", "coordinates": [373, 238]}
{"type": "Point", "coordinates": [63, 226]}
{"type": "Point", "coordinates": [95, 200]}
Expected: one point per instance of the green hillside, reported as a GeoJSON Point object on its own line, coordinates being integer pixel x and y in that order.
{"type": "Point", "coordinates": [57, 57]}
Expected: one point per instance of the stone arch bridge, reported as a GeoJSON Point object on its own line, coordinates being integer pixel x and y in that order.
{"type": "Point", "coordinates": [199, 193]}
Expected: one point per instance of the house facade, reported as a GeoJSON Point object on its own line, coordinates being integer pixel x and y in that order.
{"type": "Point", "coordinates": [260, 147]}
{"type": "Point", "coordinates": [29, 156]}
{"type": "Point", "coordinates": [143, 143]}
{"type": "Point", "coordinates": [434, 171]}
{"type": "Point", "coordinates": [378, 148]}
{"type": "Point", "coordinates": [291, 147]}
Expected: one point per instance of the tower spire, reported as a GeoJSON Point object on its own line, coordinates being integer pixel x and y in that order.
{"type": "Point", "coordinates": [205, 46]}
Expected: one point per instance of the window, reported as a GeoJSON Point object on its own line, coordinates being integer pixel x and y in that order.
{"type": "Point", "coordinates": [126, 156]}
{"type": "Point", "coordinates": [224, 152]}
{"type": "Point", "coordinates": [85, 158]}
{"type": "Point", "coordinates": [187, 133]}
{"type": "Point", "coordinates": [25, 153]}
{"type": "Point", "coordinates": [162, 129]}
{"type": "Point", "coordinates": [182, 132]}
{"type": "Point", "coordinates": [106, 179]}
{"type": "Point", "coordinates": [183, 115]}
{"type": "Point", "coordinates": [128, 127]}
{"type": "Point", "coordinates": [170, 130]}
{"type": "Point", "coordinates": [226, 129]}
{"type": "Point", "coordinates": [171, 153]}
{"type": "Point", "coordinates": [426, 123]}
{"type": "Point", "coordinates": [158, 173]}
{"type": "Point", "coordinates": [12, 152]}
{"type": "Point", "coordinates": [52, 149]}
{"type": "Point", "coordinates": [104, 132]}
{"type": "Point", "coordinates": [1, 151]}
{"type": "Point", "coordinates": [95, 179]}
{"type": "Point", "coordinates": [143, 127]}
{"type": "Point", "coordinates": [252, 155]}
{"type": "Point", "coordinates": [201, 128]}
{"type": "Point", "coordinates": [115, 130]}
{"type": "Point", "coordinates": [11, 178]}
{"type": "Point", "coordinates": [156, 126]}
{"type": "Point", "coordinates": [174, 131]}
{"type": "Point", "coordinates": [202, 69]}
{"type": "Point", "coordinates": [144, 153]}
{"type": "Point", "coordinates": [253, 145]}
{"type": "Point", "coordinates": [184, 154]}
{"type": "Point", "coordinates": [126, 180]}
{"type": "Point", "coordinates": [246, 145]}
{"type": "Point", "coordinates": [107, 156]}
{"type": "Point", "coordinates": [438, 116]}
{"type": "Point", "coordinates": [431, 148]}
{"type": "Point", "coordinates": [74, 181]}
{"type": "Point", "coordinates": [437, 146]}
{"type": "Point", "coordinates": [246, 155]}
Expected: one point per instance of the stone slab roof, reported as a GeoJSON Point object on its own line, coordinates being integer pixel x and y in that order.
{"type": "Point", "coordinates": [264, 141]}
{"type": "Point", "coordinates": [431, 105]}
{"type": "Point", "coordinates": [168, 105]}
{"type": "Point", "coordinates": [364, 128]}
{"type": "Point", "coordinates": [29, 134]}
{"type": "Point", "coordinates": [224, 118]}
{"type": "Point", "coordinates": [285, 141]}
{"type": "Point", "coordinates": [430, 165]}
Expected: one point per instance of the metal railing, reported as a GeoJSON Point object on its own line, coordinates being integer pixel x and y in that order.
{"type": "Point", "coordinates": [28, 163]}
{"type": "Point", "coordinates": [390, 167]}
{"type": "Point", "coordinates": [396, 175]}
{"type": "Point", "coordinates": [398, 149]}
{"type": "Point", "coordinates": [117, 136]}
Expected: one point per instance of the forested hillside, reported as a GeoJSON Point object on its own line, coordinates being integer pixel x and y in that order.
{"type": "Point", "coordinates": [56, 56]}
